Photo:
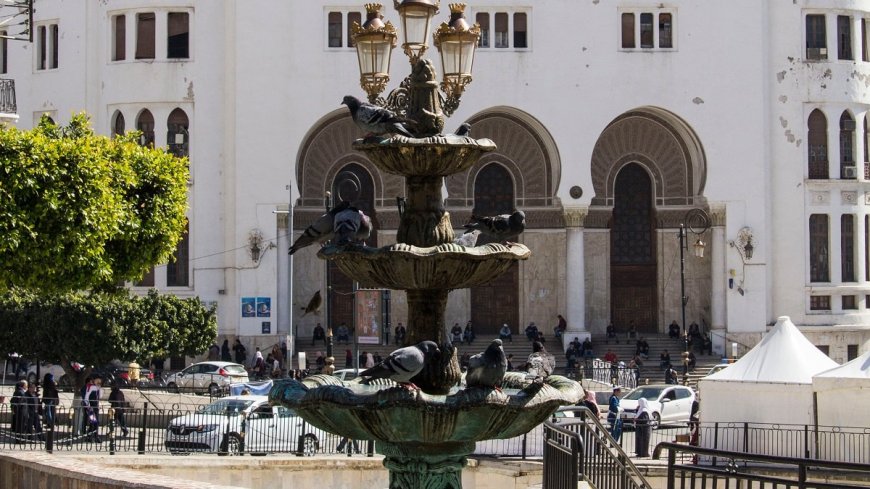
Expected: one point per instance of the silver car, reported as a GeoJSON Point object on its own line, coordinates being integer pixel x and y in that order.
{"type": "Point", "coordinates": [669, 403]}
{"type": "Point", "coordinates": [239, 424]}
{"type": "Point", "coordinates": [212, 377]}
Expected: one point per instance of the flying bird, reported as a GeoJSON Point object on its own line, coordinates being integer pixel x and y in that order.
{"type": "Point", "coordinates": [403, 364]}
{"type": "Point", "coordinates": [351, 225]}
{"type": "Point", "coordinates": [469, 240]}
{"type": "Point", "coordinates": [487, 369]}
{"type": "Point", "coordinates": [314, 304]}
{"type": "Point", "coordinates": [463, 130]}
{"type": "Point", "coordinates": [375, 120]}
{"type": "Point", "coordinates": [320, 230]}
{"type": "Point", "coordinates": [499, 227]}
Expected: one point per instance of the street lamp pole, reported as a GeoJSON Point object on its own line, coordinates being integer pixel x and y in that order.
{"type": "Point", "coordinates": [698, 222]}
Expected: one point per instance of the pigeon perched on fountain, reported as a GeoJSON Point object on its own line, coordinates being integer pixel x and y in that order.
{"type": "Point", "coordinates": [499, 227]}
{"type": "Point", "coordinates": [321, 230]}
{"type": "Point", "coordinates": [487, 369]}
{"type": "Point", "coordinates": [469, 240]}
{"type": "Point", "coordinates": [313, 304]}
{"type": "Point", "coordinates": [403, 364]}
{"type": "Point", "coordinates": [351, 225]}
{"type": "Point", "coordinates": [375, 120]}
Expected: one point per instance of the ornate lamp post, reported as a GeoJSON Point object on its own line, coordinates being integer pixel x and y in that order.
{"type": "Point", "coordinates": [697, 222]}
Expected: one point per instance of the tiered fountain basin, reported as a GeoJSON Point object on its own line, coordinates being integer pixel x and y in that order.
{"type": "Point", "coordinates": [396, 416]}
{"type": "Point", "coordinates": [432, 156]}
{"type": "Point", "coordinates": [406, 267]}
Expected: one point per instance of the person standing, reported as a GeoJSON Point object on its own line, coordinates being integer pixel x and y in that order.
{"type": "Point", "coordinates": [240, 352]}
{"type": "Point", "coordinates": [642, 428]}
{"type": "Point", "coordinates": [34, 405]}
{"type": "Point", "coordinates": [120, 406]}
{"type": "Point", "coordinates": [348, 358]}
{"type": "Point", "coordinates": [400, 333]}
{"type": "Point", "coordinates": [18, 403]}
{"type": "Point", "coordinates": [613, 414]}
{"type": "Point", "coordinates": [225, 351]}
{"type": "Point", "coordinates": [91, 401]}
{"type": "Point", "coordinates": [590, 403]}
{"type": "Point", "coordinates": [50, 400]}
{"type": "Point", "coordinates": [214, 352]}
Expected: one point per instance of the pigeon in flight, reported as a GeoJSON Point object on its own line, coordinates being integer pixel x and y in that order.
{"type": "Point", "coordinates": [469, 240]}
{"type": "Point", "coordinates": [313, 305]}
{"type": "Point", "coordinates": [487, 369]}
{"type": "Point", "coordinates": [403, 364]}
{"type": "Point", "coordinates": [351, 225]}
{"type": "Point", "coordinates": [320, 230]}
{"type": "Point", "coordinates": [375, 120]}
{"type": "Point", "coordinates": [499, 227]}
{"type": "Point", "coordinates": [463, 130]}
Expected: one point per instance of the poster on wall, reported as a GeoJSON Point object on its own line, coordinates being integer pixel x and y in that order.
{"type": "Point", "coordinates": [368, 316]}
{"type": "Point", "coordinates": [264, 307]}
{"type": "Point", "coordinates": [249, 307]}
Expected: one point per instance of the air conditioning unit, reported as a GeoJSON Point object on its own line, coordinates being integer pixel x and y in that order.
{"type": "Point", "coordinates": [850, 172]}
{"type": "Point", "coordinates": [817, 53]}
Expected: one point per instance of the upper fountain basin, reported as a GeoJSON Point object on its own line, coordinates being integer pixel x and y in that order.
{"type": "Point", "coordinates": [432, 156]}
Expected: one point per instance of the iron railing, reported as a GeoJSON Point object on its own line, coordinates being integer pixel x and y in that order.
{"type": "Point", "coordinates": [8, 104]}
{"type": "Point", "coordinates": [713, 469]}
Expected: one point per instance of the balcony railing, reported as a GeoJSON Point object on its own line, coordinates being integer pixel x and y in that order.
{"type": "Point", "coordinates": [7, 97]}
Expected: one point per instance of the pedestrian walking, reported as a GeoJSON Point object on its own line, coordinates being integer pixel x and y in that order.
{"type": "Point", "coordinates": [50, 400]}
{"type": "Point", "coordinates": [120, 406]}
{"type": "Point", "coordinates": [613, 414]}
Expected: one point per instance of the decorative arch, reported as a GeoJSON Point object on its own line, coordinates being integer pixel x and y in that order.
{"type": "Point", "coordinates": [817, 147]}
{"type": "Point", "coordinates": [145, 123]}
{"type": "Point", "coordinates": [177, 133]}
{"type": "Point", "coordinates": [662, 143]}
{"type": "Point", "coordinates": [118, 124]}
{"type": "Point", "coordinates": [325, 150]}
{"type": "Point", "coordinates": [528, 152]}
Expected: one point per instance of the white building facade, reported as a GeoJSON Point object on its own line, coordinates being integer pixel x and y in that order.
{"type": "Point", "coordinates": [614, 120]}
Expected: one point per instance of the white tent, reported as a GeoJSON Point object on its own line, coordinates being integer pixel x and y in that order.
{"type": "Point", "coordinates": [843, 397]}
{"type": "Point", "coordinates": [770, 387]}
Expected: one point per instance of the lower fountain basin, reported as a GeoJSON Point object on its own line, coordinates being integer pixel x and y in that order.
{"type": "Point", "coordinates": [390, 413]}
{"type": "Point", "coordinates": [407, 267]}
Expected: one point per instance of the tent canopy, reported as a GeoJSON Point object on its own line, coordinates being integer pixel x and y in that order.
{"type": "Point", "coordinates": [785, 355]}
{"type": "Point", "coordinates": [858, 368]}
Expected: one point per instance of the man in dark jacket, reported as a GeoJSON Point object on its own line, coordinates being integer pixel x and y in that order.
{"type": "Point", "coordinates": [20, 417]}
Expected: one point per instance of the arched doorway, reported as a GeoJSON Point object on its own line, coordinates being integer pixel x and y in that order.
{"type": "Point", "coordinates": [632, 251]}
{"type": "Point", "coordinates": [353, 183]}
{"type": "Point", "coordinates": [496, 302]}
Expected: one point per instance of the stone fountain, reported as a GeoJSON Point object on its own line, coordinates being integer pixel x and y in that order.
{"type": "Point", "coordinates": [425, 435]}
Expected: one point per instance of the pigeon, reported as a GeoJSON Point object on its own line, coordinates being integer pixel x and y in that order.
{"type": "Point", "coordinates": [403, 364]}
{"type": "Point", "coordinates": [320, 230]}
{"type": "Point", "coordinates": [499, 227]}
{"type": "Point", "coordinates": [463, 130]}
{"type": "Point", "coordinates": [469, 240]}
{"type": "Point", "coordinates": [351, 225]}
{"type": "Point", "coordinates": [314, 304]}
{"type": "Point", "coordinates": [375, 120]}
{"type": "Point", "coordinates": [487, 369]}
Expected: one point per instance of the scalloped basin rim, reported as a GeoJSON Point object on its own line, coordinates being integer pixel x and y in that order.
{"type": "Point", "coordinates": [432, 141]}
{"type": "Point", "coordinates": [483, 251]}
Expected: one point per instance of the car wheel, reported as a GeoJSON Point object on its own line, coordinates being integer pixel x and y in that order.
{"type": "Point", "coordinates": [214, 390]}
{"type": "Point", "coordinates": [656, 420]}
{"type": "Point", "coordinates": [310, 445]}
{"type": "Point", "coordinates": [232, 445]}
{"type": "Point", "coordinates": [172, 387]}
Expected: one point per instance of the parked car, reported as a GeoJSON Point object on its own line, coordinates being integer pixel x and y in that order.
{"type": "Point", "coordinates": [62, 380]}
{"type": "Point", "coordinates": [211, 377]}
{"type": "Point", "coordinates": [223, 425]}
{"type": "Point", "coordinates": [119, 374]}
{"type": "Point", "coordinates": [669, 403]}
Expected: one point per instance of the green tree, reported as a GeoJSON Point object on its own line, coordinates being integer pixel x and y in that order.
{"type": "Point", "coordinates": [82, 211]}
{"type": "Point", "coordinates": [95, 329]}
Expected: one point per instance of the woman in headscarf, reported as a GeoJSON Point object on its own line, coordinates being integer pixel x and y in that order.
{"type": "Point", "coordinates": [590, 403]}
{"type": "Point", "coordinates": [259, 365]}
{"type": "Point", "coordinates": [643, 428]}
{"type": "Point", "coordinates": [50, 398]}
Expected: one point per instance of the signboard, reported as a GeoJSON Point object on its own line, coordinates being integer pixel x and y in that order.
{"type": "Point", "coordinates": [369, 318]}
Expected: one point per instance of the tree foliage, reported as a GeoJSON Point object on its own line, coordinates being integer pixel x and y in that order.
{"type": "Point", "coordinates": [97, 328]}
{"type": "Point", "coordinates": [83, 211]}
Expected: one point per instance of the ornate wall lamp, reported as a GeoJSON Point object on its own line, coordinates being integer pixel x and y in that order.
{"type": "Point", "coordinates": [744, 247]}
{"type": "Point", "coordinates": [256, 247]}
{"type": "Point", "coordinates": [375, 39]}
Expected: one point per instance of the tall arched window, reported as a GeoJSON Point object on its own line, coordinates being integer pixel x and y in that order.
{"type": "Point", "coordinates": [819, 269]}
{"type": "Point", "coordinates": [496, 302]}
{"type": "Point", "coordinates": [847, 248]}
{"type": "Point", "coordinates": [177, 135]}
{"type": "Point", "coordinates": [145, 123]}
{"type": "Point", "coordinates": [817, 125]}
{"type": "Point", "coordinates": [118, 124]}
{"type": "Point", "coordinates": [177, 269]}
{"type": "Point", "coordinates": [866, 148]}
{"type": "Point", "coordinates": [847, 147]}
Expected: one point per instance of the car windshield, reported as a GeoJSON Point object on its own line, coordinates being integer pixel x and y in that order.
{"type": "Point", "coordinates": [235, 369]}
{"type": "Point", "coordinates": [227, 406]}
{"type": "Point", "coordinates": [649, 393]}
